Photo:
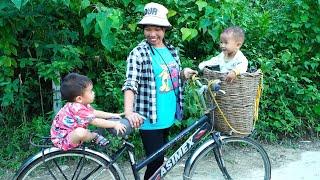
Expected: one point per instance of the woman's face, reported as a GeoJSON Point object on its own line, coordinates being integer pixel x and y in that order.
{"type": "Point", "coordinates": [154, 35]}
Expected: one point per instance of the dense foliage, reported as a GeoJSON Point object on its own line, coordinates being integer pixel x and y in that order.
{"type": "Point", "coordinates": [42, 40]}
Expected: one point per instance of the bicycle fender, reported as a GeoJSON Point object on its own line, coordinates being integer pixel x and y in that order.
{"type": "Point", "coordinates": [194, 155]}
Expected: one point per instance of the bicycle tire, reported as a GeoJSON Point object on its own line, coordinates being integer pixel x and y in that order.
{"type": "Point", "coordinates": [243, 158]}
{"type": "Point", "coordinates": [73, 164]}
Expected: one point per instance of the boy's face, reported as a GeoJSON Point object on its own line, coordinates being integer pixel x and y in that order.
{"type": "Point", "coordinates": [88, 95]}
{"type": "Point", "coordinates": [229, 45]}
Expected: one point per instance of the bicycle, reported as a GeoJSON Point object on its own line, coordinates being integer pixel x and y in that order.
{"type": "Point", "coordinates": [229, 155]}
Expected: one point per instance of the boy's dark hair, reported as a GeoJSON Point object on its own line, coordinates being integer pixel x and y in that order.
{"type": "Point", "coordinates": [237, 33]}
{"type": "Point", "coordinates": [73, 85]}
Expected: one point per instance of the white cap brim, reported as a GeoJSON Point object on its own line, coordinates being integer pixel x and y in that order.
{"type": "Point", "coordinates": [151, 20]}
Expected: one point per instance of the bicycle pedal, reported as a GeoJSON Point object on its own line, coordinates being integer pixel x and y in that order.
{"type": "Point", "coordinates": [104, 144]}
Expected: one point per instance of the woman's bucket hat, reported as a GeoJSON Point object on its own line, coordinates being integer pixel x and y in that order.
{"type": "Point", "coordinates": [155, 14]}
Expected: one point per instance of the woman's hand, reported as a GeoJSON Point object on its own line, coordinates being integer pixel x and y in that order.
{"type": "Point", "coordinates": [135, 119]}
{"type": "Point", "coordinates": [188, 72]}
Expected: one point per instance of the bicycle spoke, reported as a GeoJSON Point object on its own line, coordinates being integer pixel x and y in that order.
{"type": "Point", "coordinates": [80, 163]}
{"type": "Point", "coordinates": [237, 158]}
{"type": "Point", "coordinates": [75, 164]}
{"type": "Point", "coordinates": [60, 170]}
{"type": "Point", "coordinates": [92, 172]}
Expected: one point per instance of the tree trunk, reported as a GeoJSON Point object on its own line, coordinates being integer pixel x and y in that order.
{"type": "Point", "coordinates": [56, 97]}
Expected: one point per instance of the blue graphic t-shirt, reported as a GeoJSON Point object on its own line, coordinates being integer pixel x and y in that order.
{"type": "Point", "coordinates": [165, 86]}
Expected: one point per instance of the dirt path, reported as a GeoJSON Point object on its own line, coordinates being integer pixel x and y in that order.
{"type": "Point", "coordinates": [297, 161]}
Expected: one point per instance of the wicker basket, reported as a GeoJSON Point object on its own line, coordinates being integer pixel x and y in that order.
{"type": "Point", "coordinates": [239, 104]}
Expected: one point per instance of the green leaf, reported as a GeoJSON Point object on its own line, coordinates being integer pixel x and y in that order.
{"type": "Point", "coordinates": [66, 2]}
{"type": "Point", "coordinates": [209, 10]}
{"type": "Point", "coordinates": [204, 23]}
{"type": "Point", "coordinates": [306, 79]}
{"type": "Point", "coordinates": [277, 124]}
{"type": "Point", "coordinates": [26, 62]}
{"type": "Point", "coordinates": [317, 109]}
{"type": "Point", "coordinates": [318, 38]}
{"type": "Point", "coordinates": [108, 40]}
{"type": "Point", "coordinates": [4, 4]}
{"type": "Point", "coordinates": [126, 2]}
{"type": "Point", "coordinates": [171, 13]}
{"type": "Point", "coordinates": [132, 27]}
{"type": "Point", "coordinates": [85, 4]}
{"type": "Point", "coordinates": [6, 61]}
{"type": "Point", "coordinates": [300, 91]}
{"type": "Point", "coordinates": [286, 56]}
{"type": "Point", "coordinates": [104, 22]}
{"type": "Point", "coordinates": [7, 99]}
{"type": "Point", "coordinates": [304, 18]}
{"type": "Point", "coordinates": [201, 4]}
{"type": "Point", "coordinates": [13, 50]}
{"type": "Point", "coordinates": [188, 34]}
{"type": "Point", "coordinates": [314, 64]}
{"type": "Point", "coordinates": [86, 23]}
{"type": "Point", "coordinates": [17, 3]}
{"type": "Point", "coordinates": [185, 33]}
{"type": "Point", "coordinates": [214, 33]}
{"type": "Point", "coordinates": [115, 20]}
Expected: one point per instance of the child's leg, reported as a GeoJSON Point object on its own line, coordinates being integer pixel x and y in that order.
{"type": "Point", "coordinates": [81, 134]}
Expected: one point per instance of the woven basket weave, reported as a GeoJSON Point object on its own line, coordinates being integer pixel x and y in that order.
{"type": "Point", "coordinates": [238, 104]}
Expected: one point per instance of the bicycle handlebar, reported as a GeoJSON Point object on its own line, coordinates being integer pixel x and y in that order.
{"type": "Point", "coordinates": [215, 85]}
{"type": "Point", "coordinates": [212, 85]}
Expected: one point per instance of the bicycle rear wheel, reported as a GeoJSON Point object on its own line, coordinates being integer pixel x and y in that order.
{"type": "Point", "coordinates": [72, 164]}
{"type": "Point", "coordinates": [242, 158]}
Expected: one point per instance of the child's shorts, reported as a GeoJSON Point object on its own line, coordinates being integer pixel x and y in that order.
{"type": "Point", "coordinates": [65, 143]}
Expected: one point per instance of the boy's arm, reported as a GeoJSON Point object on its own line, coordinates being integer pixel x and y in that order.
{"type": "Point", "coordinates": [103, 123]}
{"type": "Point", "coordinates": [241, 67]}
{"type": "Point", "coordinates": [105, 115]}
{"type": "Point", "coordinates": [212, 62]}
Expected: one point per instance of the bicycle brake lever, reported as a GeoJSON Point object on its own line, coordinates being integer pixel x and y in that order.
{"type": "Point", "coordinates": [202, 89]}
{"type": "Point", "coordinates": [222, 91]}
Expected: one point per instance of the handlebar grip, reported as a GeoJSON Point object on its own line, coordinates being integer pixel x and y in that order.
{"type": "Point", "coordinates": [216, 85]}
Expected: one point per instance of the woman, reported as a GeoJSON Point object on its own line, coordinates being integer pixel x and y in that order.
{"type": "Point", "coordinates": [153, 86]}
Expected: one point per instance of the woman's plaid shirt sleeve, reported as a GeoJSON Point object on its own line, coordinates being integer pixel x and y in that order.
{"type": "Point", "coordinates": [133, 73]}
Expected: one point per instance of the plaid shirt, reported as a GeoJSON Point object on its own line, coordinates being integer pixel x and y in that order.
{"type": "Point", "coordinates": [141, 80]}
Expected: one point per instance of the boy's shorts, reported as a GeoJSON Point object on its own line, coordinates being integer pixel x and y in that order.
{"type": "Point", "coordinates": [65, 143]}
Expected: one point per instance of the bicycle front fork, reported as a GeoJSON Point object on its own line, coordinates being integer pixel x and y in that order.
{"type": "Point", "coordinates": [217, 150]}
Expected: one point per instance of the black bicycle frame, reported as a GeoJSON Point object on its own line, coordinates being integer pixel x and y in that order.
{"type": "Point", "coordinates": [202, 127]}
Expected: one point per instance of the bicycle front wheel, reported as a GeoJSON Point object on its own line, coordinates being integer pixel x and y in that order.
{"type": "Point", "coordinates": [241, 158]}
{"type": "Point", "coordinates": [73, 164]}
